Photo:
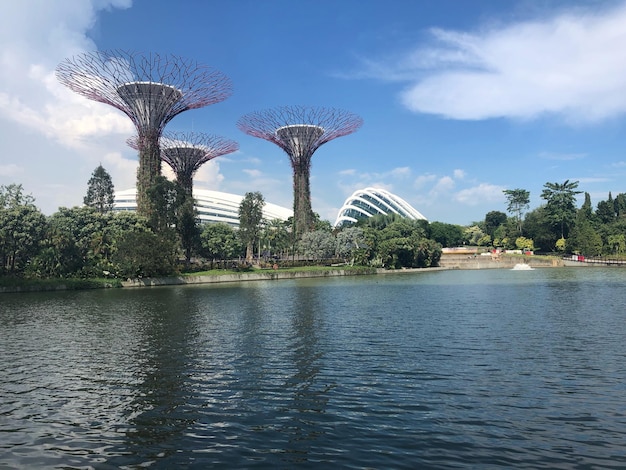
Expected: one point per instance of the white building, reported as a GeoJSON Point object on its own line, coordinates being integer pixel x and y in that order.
{"type": "Point", "coordinates": [212, 206]}
{"type": "Point", "coordinates": [373, 201]}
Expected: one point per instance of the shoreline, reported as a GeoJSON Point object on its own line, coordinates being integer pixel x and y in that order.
{"type": "Point", "coordinates": [267, 276]}
{"type": "Point", "coordinates": [447, 263]}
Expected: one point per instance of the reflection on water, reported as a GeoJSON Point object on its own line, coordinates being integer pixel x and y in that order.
{"type": "Point", "coordinates": [444, 369]}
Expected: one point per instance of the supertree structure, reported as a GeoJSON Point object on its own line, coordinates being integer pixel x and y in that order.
{"type": "Point", "coordinates": [151, 90]}
{"type": "Point", "coordinates": [300, 131]}
{"type": "Point", "coordinates": [186, 152]}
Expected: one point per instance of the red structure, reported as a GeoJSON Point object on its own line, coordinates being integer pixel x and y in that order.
{"type": "Point", "coordinates": [151, 90]}
{"type": "Point", "coordinates": [185, 153]}
{"type": "Point", "coordinates": [300, 131]}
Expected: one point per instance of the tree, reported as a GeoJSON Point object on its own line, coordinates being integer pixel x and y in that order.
{"type": "Point", "coordinates": [220, 242]}
{"type": "Point", "coordinates": [493, 220]}
{"type": "Point", "coordinates": [277, 236]}
{"type": "Point", "coordinates": [100, 191]}
{"type": "Point", "coordinates": [537, 226]}
{"type": "Point", "coordinates": [250, 219]}
{"type": "Point", "coordinates": [560, 203]}
{"type": "Point", "coordinates": [518, 200]}
{"type": "Point", "coordinates": [446, 234]}
{"type": "Point", "coordinates": [188, 229]}
{"type": "Point", "coordinates": [605, 211]}
{"type": "Point", "coordinates": [22, 229]}
{"type": "Point", "coordinates": [145, 254]}
{"type": "Point", "coordinates": [351, 243]}
{"type": "Point", "coordinates": [319, 244]}
{"type": "Point", "coordinates": [166, 199]}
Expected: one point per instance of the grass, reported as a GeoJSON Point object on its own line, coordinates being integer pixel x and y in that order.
{"type": "Point", "coordinates": [220, 272]}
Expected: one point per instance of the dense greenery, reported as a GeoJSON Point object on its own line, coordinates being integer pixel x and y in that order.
{"type": "Point", "coordinates": [100, 191]}
{"type": "Point", "coordinates": [92, 242]}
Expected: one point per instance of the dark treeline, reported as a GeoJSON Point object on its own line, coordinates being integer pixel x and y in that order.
{"type": "Point", "coordinates": [94, 241]}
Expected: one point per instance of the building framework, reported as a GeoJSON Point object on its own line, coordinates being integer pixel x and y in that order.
{"type": "Point", "coordinates": [300, 131]}
{"type": "Point", "coordinates": [186, 152]}
{"type": "Point", "coordinates": [151, 89]}
{"type": "Point", "coordinates": [369, 202]}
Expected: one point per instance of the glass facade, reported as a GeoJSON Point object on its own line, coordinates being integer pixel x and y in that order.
{"type": "Point", "coordinates": [372, 201]}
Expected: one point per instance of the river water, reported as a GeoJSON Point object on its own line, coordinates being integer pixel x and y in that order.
{"type": "Point", "coordinates": [446, 369]}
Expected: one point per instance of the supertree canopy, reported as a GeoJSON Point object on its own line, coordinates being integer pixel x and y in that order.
{"type": "Point", "coordinates": [300, 131]}
{"type": "Point", "coordinates": [185, 153]}
{"type": "Point", "coordinates": [151, 90]}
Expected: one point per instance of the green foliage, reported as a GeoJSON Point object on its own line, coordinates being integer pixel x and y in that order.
{"type": "Point", "coordinates": [538, 227]}
{"type": "Point", "coordinates": [277, 236]}
{"type": "Point", "coordinates": [166, 199]}
{"type": "Point", "coordinates": [560, 203]}
{"type": "Point", "coordinates": [584, 239]}
{"type": "Point", "coordinates": [617, 243]}
{"type": "Point", "coordinates": [22, 230]}
{"type": "Point", "coordinates": [250, 220]}
{"type": "Point", "coordinates": [473, 234]}
{"type": "Point", "coordinates": [518, 202]}
{"type": "Point", "coordinates": [145, 254]}
{"type": "Point", "coordinates": [493, 221]}
{"type": "Point", "coordinates": [525, 244]}
{"type": "Point", "coordinates": [100, 191]}
{"type": "Point", "coordinates": [220, 242]}
{"type": "Point", "coordinates": [447, 235]}
{"type": "Point", "coordinates": [560, 244]}
{"type": "Point", "coordinates": [352, 244]}
{"type": "Point", "coordinates": [317, 245]}
{"type": "Point", "coordinates": [188, 228]}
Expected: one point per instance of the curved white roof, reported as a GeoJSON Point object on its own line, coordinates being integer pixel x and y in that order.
{"type": "Point", "coordinates": [372, 201]}
{"type": "Point", "coordinates": [212, 206]}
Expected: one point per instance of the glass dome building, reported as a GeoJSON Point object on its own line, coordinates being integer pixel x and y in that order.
{"type": "Point", "coordinates": [212, 206]}
{"type": "Point", "coordinates": [373, 201]}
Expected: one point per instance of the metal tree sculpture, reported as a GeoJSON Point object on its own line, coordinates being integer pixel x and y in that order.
{"type": "Point", "coordinates": [300, 131]}
{"type": "Point", "coordinates": [151, 90]}
{"type": "Point", "coordinates": [185, 153]}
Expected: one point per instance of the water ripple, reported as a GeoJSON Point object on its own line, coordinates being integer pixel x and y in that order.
{"type": "Point", "coordinates": [440, 370]}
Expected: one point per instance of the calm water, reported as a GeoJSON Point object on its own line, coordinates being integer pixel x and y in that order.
{"type": "Point", "coordinates": [449, 369]}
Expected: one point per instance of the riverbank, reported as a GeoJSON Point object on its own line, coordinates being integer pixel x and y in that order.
{"type": "Point", "coordinates": [256, 275]}
{"type": "Point", "coordinates": [455, 261]}
{"type": "Point", "coordinates": [265, 275]}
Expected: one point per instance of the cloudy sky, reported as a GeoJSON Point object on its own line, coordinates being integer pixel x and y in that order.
{"type": "Point", "coordinates": [460, 100]}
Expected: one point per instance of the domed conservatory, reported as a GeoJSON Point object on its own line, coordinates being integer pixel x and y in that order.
{"type": "Point", "coordinates": [373, 201]}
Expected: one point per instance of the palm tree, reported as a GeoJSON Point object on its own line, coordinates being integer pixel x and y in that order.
{"type": "Point", "coordinates": [560, 202]}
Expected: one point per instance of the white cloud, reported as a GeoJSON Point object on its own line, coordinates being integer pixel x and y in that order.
{"type": "Point", "coordinates": [570, 64]}
{"type": "Point", "coordinates": [480, 194]}
{"type": "Point", "coordinates": [444, 185]}
{"type": "Point", "coordinates": [209, 176]}
{"type": "Point", "coordinates": [458, 174]}
{"type": "Point", "coordinates": [423, 180]}
{"type": "Point", "coordinates": [61, 135]}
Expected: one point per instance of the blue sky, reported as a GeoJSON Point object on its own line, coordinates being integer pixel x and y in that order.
{"type": "Point", "coordinates": [460, 99]}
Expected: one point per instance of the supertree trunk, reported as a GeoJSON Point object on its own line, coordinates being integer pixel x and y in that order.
{"type": "Point", "coordinates": [147, 172]}
{"type": "Point", "coordinates": [300, 131]}
{"type": "Point", "coordinates": [302, 209]}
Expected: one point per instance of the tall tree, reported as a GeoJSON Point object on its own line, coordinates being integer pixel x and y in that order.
{"type": "Point", "coordinates": [100, 191]}
{"type": "Point", "coordinates": [250, 220]}
{"type": "Point", "coordinates": [560, 203]}
{"type": "Point", "coordinates": [493, 220]}
{"type": "Point", "coordinates": [518, 201]}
